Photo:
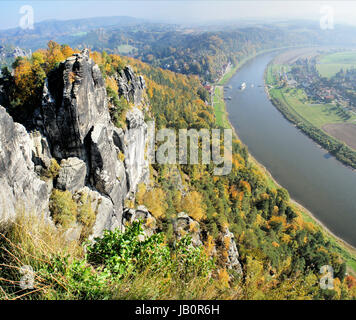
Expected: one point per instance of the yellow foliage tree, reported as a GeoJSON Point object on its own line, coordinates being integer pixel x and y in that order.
{"type": "Point", "coordinates": [155, 202]}
{"type": "Point", "coordinates": [244, 185]}
{"type": "Point", "coordinates": [23, 79]}
{"type": "Point", "coordinates": [210, 245]}
{"type": "Point", "coordinates": [111, 83]}
{"type": "Point", "coordinates": [141, 190]}
{"type": "Point", "coordinates": [54, 55]}
{"type": "Point", "coordinates": [67, 51]}
{"type": "Point", "coordinates": [224, 278]}
{"type": "Point", "coordinates": [192, 204]}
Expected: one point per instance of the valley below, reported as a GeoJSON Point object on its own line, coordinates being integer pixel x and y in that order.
{"type": "Point", "coordinates": [317, 181]}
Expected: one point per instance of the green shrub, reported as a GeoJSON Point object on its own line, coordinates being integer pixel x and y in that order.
{"type": "Point", "coordinates": [129, 253]}
{"type": "Point", "coordinates": [67, 211]}
{"type": "Point", "coordinates": [123, 253]}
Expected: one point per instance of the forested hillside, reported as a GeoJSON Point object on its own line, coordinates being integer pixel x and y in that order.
{"type": "Point", "coordinates": [280, 252]}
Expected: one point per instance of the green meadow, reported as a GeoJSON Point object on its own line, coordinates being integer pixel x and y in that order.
{"type": "Point", "coordinates": [219, 107]}
{"type": "Point", "coordinates": [317, 114]}
{"type": "Point", "coordinates": [330, 64]}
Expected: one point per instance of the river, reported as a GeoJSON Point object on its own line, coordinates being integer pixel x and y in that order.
{"type": "Point", "coordinates": [313, 178]}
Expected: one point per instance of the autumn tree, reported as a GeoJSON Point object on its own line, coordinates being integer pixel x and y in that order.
{"type": "Point", "coordinates": [154, 200]}
{"type": "Point", "coordinates": [54, 55]}
{"type": "Point", "coordinates": [193, 205]}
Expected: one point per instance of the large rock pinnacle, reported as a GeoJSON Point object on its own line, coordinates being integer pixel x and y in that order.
{"type": "Point", "coordinates": [74, 101]}
{"type": "Point", "coordinates": [76, 121]}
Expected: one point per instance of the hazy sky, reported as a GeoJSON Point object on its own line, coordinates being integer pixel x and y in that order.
{"type": "Point", "coordinates": [177, 11]}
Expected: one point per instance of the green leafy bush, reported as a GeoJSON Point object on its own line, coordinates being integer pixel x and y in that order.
{"type": "Point", "coordinates": [130, 253]}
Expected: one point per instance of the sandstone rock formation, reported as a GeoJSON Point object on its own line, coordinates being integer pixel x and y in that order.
{"type": "Point", "coordinates": [232, 259]}
{"type": "Point", "coordinates": [77, 124]}
{"type": "Point", "coordinates": [104, 209]}
{"type": "Point", "coordinates": [41, 153]}
{"type": "Point", "coordinates": [131, 86]}
{"type": "Point", "coordinates": [20, 188]}
{"type": "Point", "coordinates": [72, 174]}
{"type": "Point", "coordinates": [184, 225]}
{"type": "Point", "coordinates": [142, 214]}
{"type": "Point", "coordinates": [135, 140]}
{"type": "Point", "coordinates": [74, 100]}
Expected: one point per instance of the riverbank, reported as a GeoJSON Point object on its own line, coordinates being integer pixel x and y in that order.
{"type": "Point", "coordinates": [347, 251]}
{"type": "Point", "coordinates": [219, 107]}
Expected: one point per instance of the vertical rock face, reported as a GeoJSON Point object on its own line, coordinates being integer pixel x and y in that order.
{"type": "Point", "coordinates": [20, 188]}
{"type": "Point", "coordinates": [131, 86]}
{"type": "Point", "coordinates": [72, 174]}
{"type": "Point", "coordinates": [74, 101]}
{"type": "Point", "coordinates": [184, 225]}
{"type": "Point", "coordinates": [41, 151]}
{"type": "Point", "coordinates": [2, 95]}
{"type": "Point", "coordinates": [107, 173]}
{"type": "Point", "coordinates": [76, 122]}
{"type": "Point", "coordinates": [104, 210]}
{"type": "Point", "coordinates": [232, 259]}
{"type": "Point", "coordinates": [135, 138]}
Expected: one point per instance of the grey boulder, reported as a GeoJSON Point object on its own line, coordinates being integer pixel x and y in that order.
{"type": "Point", "coordinates": [71, 174]}
{"type": "Point", "coordinates": [141, 213]}
{"type": "Point", "coordinates": [186, 225]}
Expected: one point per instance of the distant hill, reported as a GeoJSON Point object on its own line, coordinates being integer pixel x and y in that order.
{"type": "Point", "coordinates": [54, 29]}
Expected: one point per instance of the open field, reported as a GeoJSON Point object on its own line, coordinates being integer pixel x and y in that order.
{"type": "Point", "coordinates": [290, 56]}
{"type": "Point", "coordinates": [323, 116]}
{"type": "Point", "coordinates": [345, 132]}
{"type": "Point", "coordinates": [330, 64]}
{"type": "Point", "coordinates": [317, 114]}
{"type": "Point", "coordinates": [125, 49]}
{"type": "Point", "coordinates": [219, 107]}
